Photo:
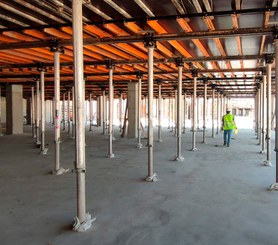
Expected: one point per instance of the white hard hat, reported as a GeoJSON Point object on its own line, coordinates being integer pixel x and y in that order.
{"type": "Point", "coordinates": [228, 109]}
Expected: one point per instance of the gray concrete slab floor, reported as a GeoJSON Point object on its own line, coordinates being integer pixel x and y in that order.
{"type": "Point", "coordinates": [218, 195]}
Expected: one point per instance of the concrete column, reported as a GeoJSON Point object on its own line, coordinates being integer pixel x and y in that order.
{"type": "Point", "coordinates": [83, 220]}
{"type": "Point", "coordinates": [204, 111]}
{"type": "Point", "coordinates": [42, 105]}
{"type": "Point", "coordinates": [132, 97]}
{"type": "Point", "coordinates": [159, 101]}
{"type": "Point", "coordinates": [14, 109]}
{"type": "Point", "coordinates": [150, 45]}
{"type": "Point", "coordinates": [212, 110]}
{"type": "Point", "coordinates": [269, 60]}
{"type": "Point", "coordinates": [111, 104]}
{"type": "Point", "coordinates": [139, 76]}
{"type": "Point", "coordinates": [180, 65]}
{"type": "Point", "coordinates": [194, 74]}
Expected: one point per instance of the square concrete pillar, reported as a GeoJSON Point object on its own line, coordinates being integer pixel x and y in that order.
{"type": "Point", "coordinates": [132, 97]}
{"type": "Point", "coordinates": [14, 110]}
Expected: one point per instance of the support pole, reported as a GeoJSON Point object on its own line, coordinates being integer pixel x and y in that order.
{"type": "Point", "coordinates": [259, 113]}
{"type": "Point", "coordinates": [1, 113]}
{"type": "Point", "coordinates": [42, 100]}
{"type": "Point", "coordinates": [139, 144]}
{"type": "Point", "coordinates": [212, 110]}
{"type": "Point", "coordinates": [83, 220]}
{"type": "Point", "coordinates": [269, 60]}
{"type": "Point", "coordinates": [218, 114]}
{"type": "Point", "coordinates": [120, 111]}
{"type": "Point", "coordinates": [68, 111]}
{"type": "Point", "coordinates": [38, 142]}
{"type": "Point", "coordinates": [111, 103]}
{"type": "Point", "coordinates": [194, 74]}
{"type": "Point", "coordinates": [150, 45]}
{"type": "Point", "coordinates": [275, 185]}
{"type": "Point", "coordinates": [262, 138]}
{"type": "Point", "coordinates": [180, 65]}
{"type": "Point", "coordinates": [204, 111]}
{"type": "Point", "coordinates": [90, 111]}
{"type": "Point", "coordinates": [33, 113]}
{"type": "Point", "coordinates": [159, 82]}
{"type": "Point", "coordinates": [175, 112]}
{"type": "Point", "coordinates": [58, 170]}
{"type": "Point", "coordinates": [184, 112]}
{"type": "Point", "coordinates": [198, 111]}
{"type": "Point", "coordinates": [73, 107]}
{"type": "Point", "coordinates": [64, 111]}
{"type": "Point", "coordinates": [169, 111]}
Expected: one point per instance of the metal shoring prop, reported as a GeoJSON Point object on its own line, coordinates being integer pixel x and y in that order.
{"type": "Point", "coordinates": [83, 220]}
{"type": "Point", "coordinates": [263, 112]}
{"type": "Point", "coordinates": [64, 111]}
{"type": "Point", "coordinates": [111, 104]}
{"type": "Point", "coordinates": [259, 113]}
{"type": "Point", "coordinates": [33, 113]}
{"type": "Point", "coordinates": [275, 185]}
{"type": "Point", "coordinates": [169, 111]}
{"type": "Point", "coordinates": [68, 111]}
{"type": "Point", "coordinates": [58, 170]}
{"type": "Point", "coordinates": [198, 111]}
{"type": "Point", "coordinates": [150, 45]}
{"type": "Point", "coordinates": [269, 60]}
{"type": "Point", "coordinates": [139, 144]}
{"type": "Point", "coordinates": [120, 110]}
{"type": "Point", "coordinates": [218, 113]}
{"type": "Point", "coordinates": [42, 105]}
{"type": "Point", "coordinates": [194, 74]}
{"type": "Point", "coordinates": [1, 114]}
{"type": "Point", "coordinates": [180, 64]}
{"type": "Point", "coordinates": [103, 110]}
{"type": "Point", "coordinates": [73, 113]}
{"type": "Point", "coordinates": [256, 127]}
{"type": "Point", "coordinates": [175, 112]}
{"type": "Point", "coordinates": [90, 111]}
{"type": "Point", "coordinates": [184, 111]}
{"type": "Point", "coordinates": [38, 142]}
{"type": "Point", "coordinates": [205, 110]}
{"type": "Point", "coordinates": [212, 110]}
{"type": "Point", "coordinates": [159, 101]}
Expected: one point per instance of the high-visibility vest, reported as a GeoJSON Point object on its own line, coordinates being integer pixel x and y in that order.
{"type": "Point", "coordinates": [228, 122]}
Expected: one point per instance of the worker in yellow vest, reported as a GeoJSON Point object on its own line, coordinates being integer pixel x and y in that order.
{"type": "Point", "coordinates": [228, 125]}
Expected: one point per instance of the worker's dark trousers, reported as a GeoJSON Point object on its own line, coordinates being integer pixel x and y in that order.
{"type": "Point", "coordinates": [228, 136]}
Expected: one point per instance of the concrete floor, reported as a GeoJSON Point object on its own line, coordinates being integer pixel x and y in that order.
{"type": "Point", "coordinates": [218, 195]}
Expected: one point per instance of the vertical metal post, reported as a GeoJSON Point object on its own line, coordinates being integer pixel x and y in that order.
{"type": "Point", "coordinates": [64, 111]}
{"type": "Point", "coordinates": [120, 111]}
{"type": "Point", "coordinates": [90, 111]}
{"type": "Point", "coordinates": [83, 221]}
{"type": "Point", "coordinates": [150, 45]}
{"type": "Point", "coordinates": [111, 104]}
{"type": "Point", "coordinates": [73, 107]}
{"type": "Point", "coordinates": [218, 113]}
{"type": "Point", "coordinates": [204, 111]}
{"type": "Point", "coordinates": [169, 111]}
{"type": "Point", "coordinates": [275, 185]}
{"type": "Point", "coordinates": [33, 113]}
{"type": "Point", "coordinates": [263, 112]}
{"type": "Point", "coordinates": [179, 64]}
{"type": "Point", "coordinates": [184, 112]}
{"type": "Point", "coordinates": [43, 149]}
{"type": "Point", "coordinates": [212, 110]}
{"type": "Point", "coordinates": [1, 113]}
{"type": "Point", "coordinates": [139, 144]}
{"type": "Point", "coordinates": [269, 60]}
{"type": "Point", "coordinates": [159, 82]}
{"type": "Point", "coordinates": [198, 112]}
{"type": "Point", "coordinates": [103, 111]}
{"type": "Point", "coordinates": [68, 111]}
{"type": "Point", "coordinates": [38, 142]}
{"type": "Point", "coordinates": [175, 112]}
{"type": "Point", "coordinates": [259, 114]}
{"type": "Point", "coordinates": [194, 74]}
